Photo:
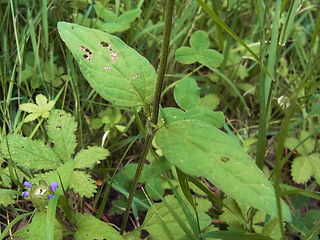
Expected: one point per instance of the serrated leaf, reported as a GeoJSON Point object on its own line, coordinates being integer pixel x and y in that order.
{"type": "Point", "coordinates": [89, 227]}
{"type": "Point", "coordinates": [87, 158]}
{"type": "Point", "coordinates": [306, 166]}
{"type": "Point", "coordinates": [159, 215]}
{"type": "Point", "coordinates": [6, 199]}
{"type": "Point", "coordinates": [83, 184]}
{"type": "Point", "coordinates": [117, 72]}
{"type": "Point", "coordinates": [61, 128]}
{"type": "Point", "coordinates": [30, 154]}
{"type": "Point", "coordinates": [41, 108]}
{"type": "Point", "coordinates": [200, 149]}
{"type": "Point", "coordinates": [187, 93]}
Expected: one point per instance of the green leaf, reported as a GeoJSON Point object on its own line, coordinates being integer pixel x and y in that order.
{"type": "Point", "coordinates": [186, 55]}
{"type": "Point", "coordinates": [210, 100]}
{"type": "Point", "coordinates": [129, 16]}
{"type": "Point", "coordinates": [40, 109]}
{"type": "Point", "coordinates": [105, 14]}
{"type": "Point", "coordinates": [207, 115]}
{"type": "Point", "coordinates": [87, 158]}
{"type": "Point", "coordinates": [30, 154]}
{"type": "Point", "coordinates": [200, 149]}
{"type": "Point", "coordinates": [199, 41]}
{"type": "Point", "coordinates": [36, 230]}
{"type": "Point", "coordinates": [89, 227]}
{"type": "Point", "coordinates": [171, 114]}
{"type": "Point", "coordinates": [210, 57]}
{"type": "Point", "coordinates": [305, 167]}
{"type": "Point", "coordinates": [199, 51]}
{"type": "Point", "coordinates": [159, 220]}
{"type": "Point", "coordinates": [6, 199]}
{"type": "Point", "coordinates": [117, 72]}
{"type": "Point", "coordinates": [83, 184]}
{"type": "Point", "coordinates": [187, 93]}
{"type": "Point", "coordinates": [61, 128]}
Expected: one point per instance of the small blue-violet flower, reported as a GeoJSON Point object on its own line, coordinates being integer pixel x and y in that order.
{"type": "Point", "coordinates": [25, 194]}
{"type": "Point", "coordinates": [54, 186]}
{"type": "Point", "coordinates": [50, 196]}
{"type": "Point", "coordinates": [27, 184]}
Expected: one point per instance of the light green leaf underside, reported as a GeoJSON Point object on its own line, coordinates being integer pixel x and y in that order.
{"type": "Point", "coordinates": [30, 154]}
{"type": "Point", "coordinates": [117, 72]}
{"type": "Point", "coordinates": [200, 149]}
{"type": "Point", "coordinates": [61, 128]}
{"type": "Point", "coordinates": [89, 227]}
{"type": "Point", "coordinates": [87, 158]}
{"type": "Point", "coordinates": [83, 184]}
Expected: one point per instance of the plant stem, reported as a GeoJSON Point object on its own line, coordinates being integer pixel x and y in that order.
{"type": "Point", "coordinates": [155, 110]}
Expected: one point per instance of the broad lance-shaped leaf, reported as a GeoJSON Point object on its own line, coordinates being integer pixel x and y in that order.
{"type": "Point", "coordinates": [200, 149]}
{"type": "Point", "coordinates": [117, 72]}
{"type": "Point", "coordinates": [61, 128]}
{"type": "Point", "coordinates": [30, 154]}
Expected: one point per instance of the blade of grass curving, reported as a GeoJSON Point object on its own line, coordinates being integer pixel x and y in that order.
{"type": "Point", "coordinates": [315, 32]}
{"type": "Point", "coordinates": [51, 217]}
{"type": "Point", "coordinates": [289, 21]}
{"type": "Point", "coordinates": [232, 33]}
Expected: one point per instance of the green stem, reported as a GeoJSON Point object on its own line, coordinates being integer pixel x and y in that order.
{"type": "Point", "coordinates": [155, 110]}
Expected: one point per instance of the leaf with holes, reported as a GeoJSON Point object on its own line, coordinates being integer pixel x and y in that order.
{"type": "Point", "coordinates": [117, 72]}
{"type": "Point", "coordinates": [200, 149]}
{"type": "Point", "coordinates": [30, 154]}
{"type": "Point", "coordinates": [83, 184]}
{"type": "Point", "coordinates": [61, 128]}
{"type": "Point", "coordinates": [89, 227]}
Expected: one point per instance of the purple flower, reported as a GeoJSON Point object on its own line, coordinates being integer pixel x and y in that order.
{"type": "Point", "coordinates": [27, 184]}
{"type": "Point", "coordinates": [50, 196]}
{"type": "Point", "coordinates": [54, 186]}
{"type": "Point", "coordinates": [25, 194]}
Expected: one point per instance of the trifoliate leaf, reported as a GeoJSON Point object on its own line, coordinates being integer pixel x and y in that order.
{"type": "Point", "coordinates": [187, 93]}
{"type": "Point", "coordinates": [305, 167]}
{"type": "Point", "coordinates": [89, 227]}
{"type": "Point", "coordinates": [61, 128]}
{"type": "Point", "coordinates": [40, 109]}
{"type": "Point", "coordinates": [87, 158]}
{"type": "Point", "coordinates": [83, 184]}
{"type": "Point", "coordinates": [30, 154]}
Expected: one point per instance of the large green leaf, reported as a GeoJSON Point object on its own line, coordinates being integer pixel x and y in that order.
{"type": "Point", "coordinates": [61, 128]}
{"type": "Point", "coordinates": [89, 227]}
{"type": "Point", "coordinates": [200, 149]}
{"type": "Point", "coordinates": [117, 72]}
{"type": "Point", "coordinates": [28, 153]}
{"type": "Point", "coordinates": [87, 158]}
